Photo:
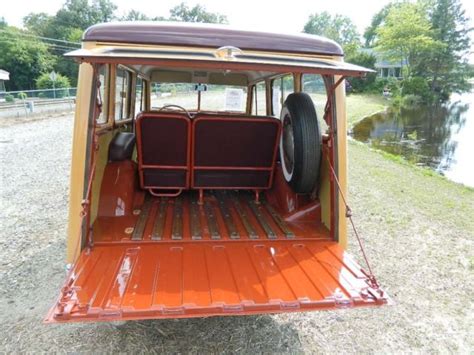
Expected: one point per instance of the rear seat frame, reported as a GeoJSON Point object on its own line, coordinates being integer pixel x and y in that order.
{"type": "Point", "coordinates": [223, 117]}
{"type": "Point", "coordinates": [141, 166]}
{"type": "Point", "coordinates": [191, 168]}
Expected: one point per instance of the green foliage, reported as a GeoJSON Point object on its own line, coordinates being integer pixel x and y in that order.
{"type": "Point", "coordinates": [380, 84]}
{"type": "Point", "coordinates": [61, 84]}
{"type": "Point", "coordinates": [366, 60]}
{"type": "Point", "coordinates": [432, 37]}
{"type": "Point", "coordinates": [135, 15]}
{"type": "Point", "coordinates": [370, 33]}
{"type": "Point", "coordinates": [198, 13]}
{"type": "Point", "coordinates": [411, 101]}
{"type": "Point", "coordinates": [39, 23]}
{"type": "Point", "coordinates": [338, 28]}
{"type": "Point", "coordinates": [24, 57]}
{"type": "Point", "coordinates": [9, 98]}
{"type": "Point", "coordinates": [416, 86]}
{"type": "Point", "coordinates": [22, 95]}
{"type": "Point", "coordinates": [447, 66]}
{"type": "Point", "coordinates": [406, 35]}
{"type": "Point", "coordinates": [68, 24]}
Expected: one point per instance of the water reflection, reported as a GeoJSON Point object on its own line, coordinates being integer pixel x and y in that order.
{"type": "Point", "coordinates": [441, 137]}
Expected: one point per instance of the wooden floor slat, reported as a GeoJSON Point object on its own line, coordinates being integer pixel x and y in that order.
{"type": "Point", "coordinates": [142, 219]}
{"type": "Point", "coordinates": [159, 224]}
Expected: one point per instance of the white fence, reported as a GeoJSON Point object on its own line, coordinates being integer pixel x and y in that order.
{"type": "Point", "coordinates": [27, 103]}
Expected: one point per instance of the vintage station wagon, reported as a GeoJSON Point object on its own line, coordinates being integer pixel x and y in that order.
{"type": "Point", "coordinates": [208, 176]}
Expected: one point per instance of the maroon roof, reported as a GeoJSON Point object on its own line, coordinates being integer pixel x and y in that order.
{"type": "Point", "coordinates": [204, 35]}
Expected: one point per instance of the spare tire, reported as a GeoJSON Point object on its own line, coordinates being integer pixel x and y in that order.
{"type": "Point", "coordinates": [300, 143]}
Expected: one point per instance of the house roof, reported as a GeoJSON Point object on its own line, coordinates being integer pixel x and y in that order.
{"type": "Point", "coordinates": [209, 36]}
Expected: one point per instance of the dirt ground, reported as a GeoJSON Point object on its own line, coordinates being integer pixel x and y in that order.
{"type": "Point", "coordinates": [419, 232]}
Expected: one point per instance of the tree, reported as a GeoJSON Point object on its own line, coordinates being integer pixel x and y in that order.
{"type": "Point", "coordinates": [134, 15]}
{"type": "Point", "coordinates": [447, 66]}
{"type": "Point", "coordinates": [39, 23]}
{"type": "Point", "coordinates": [68, 24]}
{"type": "Point", "coordinates": [406, 36]}
{"type": "Point", "coordinates": [366, 60]}
{"type": "Point", "coordinates": [198, 13]}
{"type": "Point", "coordinates": [61, 85]}
{"type": "Point", "coordinates": [338, 28]}
{"type": "Point", "coordinates": [24, 57]}
{"type": "Point", "coordinates": [370, 33]}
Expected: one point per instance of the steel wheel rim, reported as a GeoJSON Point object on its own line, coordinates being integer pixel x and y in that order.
{"type": "Point", "coordinates": [287, 148]}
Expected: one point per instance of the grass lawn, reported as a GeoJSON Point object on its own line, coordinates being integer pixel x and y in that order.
{"type": "Point", "coordinates": [361, 105]}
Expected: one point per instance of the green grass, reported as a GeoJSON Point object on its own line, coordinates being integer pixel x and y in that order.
{"type": "Point", "coordinates": [361, 105]}
{"type": "Point", "coordinates": [412, 188]}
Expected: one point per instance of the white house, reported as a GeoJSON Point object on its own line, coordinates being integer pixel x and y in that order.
{"type": "Point", "coordinates": [4, 75]}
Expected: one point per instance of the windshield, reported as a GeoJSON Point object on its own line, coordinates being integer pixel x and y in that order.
{"type": "Point", "coordinates": [213, 97]}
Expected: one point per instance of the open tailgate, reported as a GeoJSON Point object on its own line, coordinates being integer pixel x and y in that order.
{"type": "Point", "coordinates": [173, 280]}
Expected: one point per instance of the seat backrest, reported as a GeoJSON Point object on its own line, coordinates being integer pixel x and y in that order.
{"type": "Point", "coordinates": [163, 142]}
{"type": "Point", "coordinates": [234, 152]}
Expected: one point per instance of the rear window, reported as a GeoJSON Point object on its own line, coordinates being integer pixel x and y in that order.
{"type": "Point", "coordinates": [101, 92]}
{"type": "Point", "coordinates": [259, 104]}
{"type": "Point", "coordinates": [122, 94]}
{"type": "Point", "coordinates": [313, 85]}
{"type": "Point", "coordinates": [281, 88]}
{"type": "Point", "coordinates": [139, 95]}
{"type": "Point", "coordinates": [213, 97]}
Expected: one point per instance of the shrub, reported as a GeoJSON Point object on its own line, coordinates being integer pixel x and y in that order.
{"type": "Point", "coordinates": [9, 98]}
{"type": "Point", "coordinates": [417, 86]}
{"type": "Point", "coordinates": [61, 84]}
{"type": "Point", "coordinates": [411, 100]}
{"type": "Point", "coordinates": [365, 60]}
{"type": "Point", "coordinates": [22, 95]}
{"type": "Point", "coordinates": [393, 84]}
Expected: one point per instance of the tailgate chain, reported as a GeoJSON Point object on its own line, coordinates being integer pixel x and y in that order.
{"type": "Point", "coordinates": [372, 280]}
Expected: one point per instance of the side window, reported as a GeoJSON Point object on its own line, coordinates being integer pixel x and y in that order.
{"type": "Point", "coordinates": [259, 102]}
{"type": "Point", "coordinates": [101, 92]}
{"type": "Point", "coordinates": [122, 94]}
{"type": "Point", "coordinates": [139, 93]}
{"type": "Point", "coordinates": [281, 88]}
{"type": "Point", "coordinates": [313, 84]}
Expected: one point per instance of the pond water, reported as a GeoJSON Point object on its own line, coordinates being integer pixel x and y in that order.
{"type": "Point", "coordinates": [440, 137]}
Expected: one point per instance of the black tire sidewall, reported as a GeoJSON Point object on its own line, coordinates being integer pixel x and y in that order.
{"type": "Point", "coordinates": [307, 142]}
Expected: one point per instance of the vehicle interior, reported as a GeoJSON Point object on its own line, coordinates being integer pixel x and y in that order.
{"type": "Point", "coordinates": [210, 194]}
{"type": "Point", "coordinates": [201, 138]}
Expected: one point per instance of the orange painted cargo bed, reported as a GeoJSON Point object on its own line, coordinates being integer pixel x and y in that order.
{"type": "Point", "coordinates": [186, 279]}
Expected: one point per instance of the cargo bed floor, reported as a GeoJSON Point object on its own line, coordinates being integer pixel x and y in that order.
{"type": "Point", "coordinates": [176, 279]}
{"type": "Point", "coordinates": [222, 216]}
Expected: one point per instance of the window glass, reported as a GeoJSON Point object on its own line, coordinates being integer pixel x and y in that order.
{"type": "Point", "coordinates": [213, 97]}
{"type": "Point", "coordinates": [139, 93]}
{"type": "Point", "coordinates": [281, 88]}
{"type": "Point", "coordinates": [122, 94]}
{"type": "Point", "coordinates": [101, 99]}
{"type": "Point", "coordinates": [259, 104]}
{"type": "Point", "coordinates": [313, 84]}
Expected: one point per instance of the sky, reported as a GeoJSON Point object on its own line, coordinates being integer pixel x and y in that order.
{"type": "Point", "coordinates": [282, 16]}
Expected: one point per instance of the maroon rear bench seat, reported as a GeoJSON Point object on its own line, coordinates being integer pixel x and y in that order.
{"type": "Point", "coordinates": [164, 150]}
{"type": "Point", "coordinates": [211, 151]}
{"type": "Point", "coordinates": [233, 152]}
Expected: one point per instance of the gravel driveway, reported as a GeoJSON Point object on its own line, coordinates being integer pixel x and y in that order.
{"type": "Point", "coordinates": [425, 264]}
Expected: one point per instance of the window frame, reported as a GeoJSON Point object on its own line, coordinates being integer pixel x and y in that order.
{"type": "Point", "coordinates": [254, 99]}
{"type": "Point", "coordinates": [118, 122]}
{"type": "Point", "coordinates": [142, 101]}
{"type": "Point", "coordinates": [105, 123]}
{"type": "Point", "coordinates": [272, 81]}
